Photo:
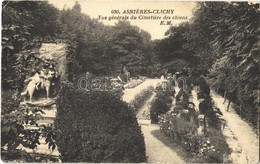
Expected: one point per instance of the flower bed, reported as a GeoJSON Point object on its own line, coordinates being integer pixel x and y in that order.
{"type": "Point", "coordinates": [208, 148]}
{"type": "Point", "coordinates": [141, 98]}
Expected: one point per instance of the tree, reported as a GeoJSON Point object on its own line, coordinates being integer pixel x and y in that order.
{"type": "Point", "coordinates": [25, 25]}
{"type": "Point", "coordinates": [129, 45]}
{"type": "Point", "coordinates": [232, 45]}
{"type": "Point", "coordinates": [100, 48]}
{"type": "Point", "coordinates": [171, 47]}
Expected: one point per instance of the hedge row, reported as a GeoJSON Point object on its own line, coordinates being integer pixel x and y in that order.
{"type": "Point", "coordinates": [207, 106]}
{"type": "Point", "coordinates": [97, 127]}
{"type": "Point", "coordinates": [141, 98]}
{"type": "Point", "coordinates": [161, 103]}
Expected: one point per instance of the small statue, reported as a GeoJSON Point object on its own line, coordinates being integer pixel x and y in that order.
{"type": "Point", "coordinates": [43, 79]}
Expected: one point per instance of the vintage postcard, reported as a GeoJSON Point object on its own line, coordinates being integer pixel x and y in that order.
{"type": "Point", "coordinates": [112, 81]}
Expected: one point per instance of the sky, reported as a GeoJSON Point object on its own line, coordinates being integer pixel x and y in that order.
{"type": "Point", "coordinates": [157, 31]}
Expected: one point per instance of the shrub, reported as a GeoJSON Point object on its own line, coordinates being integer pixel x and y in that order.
{"type": "Point", "coordinates": [141, 98]}
{"type": "Point", "coordinates": [181, 131]}
{"type": "Point", "coordinates": [14, 128]}
{"type": "Point", "coordinates": [166, 90]}
{"type": "Point", "coordinates": [158, 106]}
{"type": "Point", "coordinates": [198, 80]}
{"type": "Point", "coordinates": [10, 101]}
{"type": "Point", "coordinates": [208, 148]}
{"type": "Point", "coordinates": [162, 95]}
{"type": "Point", "coordinates": [161, 103]}
{"type": "Point", "coordinates": [171, 124]}
{"type": "Point", "coordinates": [15, 120]}
{"type": "Point", "coordinates": [219, 144]}
{"type": "Point", "coordinates": [97, 127]}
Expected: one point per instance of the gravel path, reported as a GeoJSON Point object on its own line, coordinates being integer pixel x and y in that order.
{"type": "Point", "coordinates": [239, 135]}
{"type": "Point", "coordinates": [156, 150]}
{"type": "Point", "coordinates": [247, 140]}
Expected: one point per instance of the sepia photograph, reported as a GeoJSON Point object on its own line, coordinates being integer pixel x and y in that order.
{"type": "Point", "coordinates": [150, 81]}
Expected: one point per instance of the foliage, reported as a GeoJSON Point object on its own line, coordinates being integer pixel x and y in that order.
{"type": "Point", "coordinates": [16, 121]}
{"type": "Point", "coordinates": [220, 146]}
{"type": "Point", "coordinates": [23, 14]}
{"type": "Point", "coordinates": [10, 101]}
{"type": "Point", "coordinates": [206, 106]}
{"type": "Point", "coordinates": [72, 63]}
{"type": "Point", "coordinates": [102, 49]}
{"type": "Point", "coordinates": [130, 45]}
{"type": "Point", "coordinates": [228, 47]}
{"type": "Point", "coordinates": [198, 80]}
{"type": "Point", "coordinates": [162, 95]}
{"type": "Point", "coordinates": [177, 65]}
{"type": "Point", "coordinates": [21, 34]}
{"type": "Point", "coordinates": [180, 130]}
{"type": "Point", "coordinates": [140, 99]}
{"type": "Point", "coordinates": [14, 129]}
{"type": "Point", "coordinates": [209, 148]}
{"type": "Point", "coordinates": [158, 106]}
{"type": "Point", "coordinates": [236, 45]}
{"type": "Point", "coordinates": [161, 103]}
{"type": "Point", "coordinates": [23, 156]}
{"type": "Point", "coordinates": [97, 127]}
{"type": "Point", "coordinates": [78, 31]}
{"type": "Point", "coordinates": [48, 132]}
{"type": "Point", "coordinates": [203, 87]}
{"type": "Point", "coordinates": [171, 47]}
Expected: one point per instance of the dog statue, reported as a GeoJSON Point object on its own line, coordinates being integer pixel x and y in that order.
{"type": "Point", "coordinates": [39, 81]}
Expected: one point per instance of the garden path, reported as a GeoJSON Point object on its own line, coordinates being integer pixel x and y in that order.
{"type": "Point", "coordinates": [243, 134]}
{"type": "Point", "coordinates": [129, 94]}
{"type": "Point", "coordinates": [156, 150]}
{"type": "Point", "coordinates": [239, 135]}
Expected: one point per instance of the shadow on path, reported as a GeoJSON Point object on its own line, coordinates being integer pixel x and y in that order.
{"type": "Point", "coordinates": [180, 151]}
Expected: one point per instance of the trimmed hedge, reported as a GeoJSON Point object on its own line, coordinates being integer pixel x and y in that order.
{"type": "Point", "coordinates": [163, 96]}
{"type": "Point", "coordinates": [141, 98]}
{"type": "Point", "coordinates": [97, 127]}
{"type": "Point", "coordinates": [158, 106]}
{"type": "Point", "coordinates": [161, 103]}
